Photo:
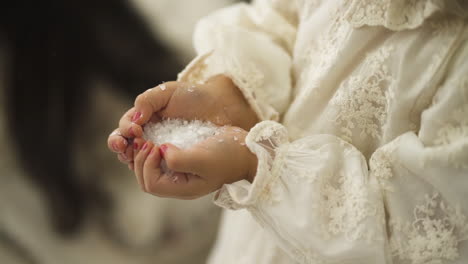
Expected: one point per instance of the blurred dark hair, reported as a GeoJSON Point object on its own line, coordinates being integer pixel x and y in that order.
{"type": "Point", "coordinates": [54, 48]}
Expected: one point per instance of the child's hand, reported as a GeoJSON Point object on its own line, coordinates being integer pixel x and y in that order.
{"type": "Point", "coordinates": [199, 170]}
{"type": "Point", "coordinates": [218, 101]}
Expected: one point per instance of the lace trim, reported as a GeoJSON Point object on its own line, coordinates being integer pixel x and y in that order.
{"type": "Point", "coordinates": [271, 138]}
{"type": "Point", "coordinates": [399, 14]}
{"type": "Point", "coordinates": [268, 140]}
{"type": "Point", "coordinates": [297, 163]}
{"type": "Point", "coordinates": [325, 51]}
{"type": "Point", "coordinates": [224, 200]}
{"type": "Point", "coordinates": [346, 204]}
{"type": "Point", "coordinates": [245, 76]}
{"type": "Point", "coordinates": [432, 236]}
{"type": "Point", "coordinates": [194, 72]}
{"type": "Point", "coordinates": [363, 100]}
{"type": "Point", "coordinates": [248, 78]}
{"type": "Point", "coordinates": [381, 165]}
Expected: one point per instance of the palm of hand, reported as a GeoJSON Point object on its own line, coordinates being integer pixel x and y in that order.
{"type": "Point", "coordinates": [218, 101]}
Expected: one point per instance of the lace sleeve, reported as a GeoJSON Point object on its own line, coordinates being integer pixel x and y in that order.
{"type": "Point", "coordinates": [251, 44]}
{"type": "Point", "coordinates": [323, 202]}
{"type": "Point", "coordinates": [424, 177]}
{"type": "Point", "coordinates": [314, 195]}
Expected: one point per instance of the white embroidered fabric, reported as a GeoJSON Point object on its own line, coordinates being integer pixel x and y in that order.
{"type": "Point", "coordinates": [400, 14]}
{"type": "Point", "coordinates": [368, 161]}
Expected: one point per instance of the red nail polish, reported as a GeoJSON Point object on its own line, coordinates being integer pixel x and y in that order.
{"type": "Point", "coordinates": [145, 146]}
{"type": "Point", "coordinates": [136, 116]}
{"type": "Point", "coordinates": [130, 131]}
{"type": "Point", "coordinates": [162, 150]}
{"type": "Point", "coordinates": [135, 145]}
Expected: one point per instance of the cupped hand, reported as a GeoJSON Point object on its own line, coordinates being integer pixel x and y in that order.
{"type": "Point", "coordinates": [196, 171]}
{"type": "Point", "coordinates": [218, 101]}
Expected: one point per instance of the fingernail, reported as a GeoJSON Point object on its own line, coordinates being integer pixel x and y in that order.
{"type": "Point", "coordinates": [152, 151]}
{"type": "Point", "coordinates": [124, 156]}
{"type": "Point", "coordinates": [136, 116]}
{"type": "Point", "coordinates": [135, 145]}
{"type": "Point", "coordinates": [145, 146]}
{"type": "Point", "coordinates": [130, 131]}
{"type": "Point", "coordinates": [162, 150]}
{"type": "Point", "coordinates": [115, 147]}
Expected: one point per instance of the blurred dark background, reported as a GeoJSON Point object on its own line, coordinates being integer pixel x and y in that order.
{"type": "Point", "coordinates": [68, 71]}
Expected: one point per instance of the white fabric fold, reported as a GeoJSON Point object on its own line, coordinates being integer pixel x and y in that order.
{"type": "Point", "coordinates": [368, 162]}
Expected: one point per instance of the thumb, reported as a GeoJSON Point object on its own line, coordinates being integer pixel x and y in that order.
{"type": "Point", "coordinates": [182, 160]}
{"type": "Point", "coordinates": [152, 101]}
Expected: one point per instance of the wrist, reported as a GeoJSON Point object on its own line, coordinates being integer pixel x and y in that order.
{"type": "Point", "coordinates": [253, 163]}
{"type": "Point", "coordinates": [236, 106]}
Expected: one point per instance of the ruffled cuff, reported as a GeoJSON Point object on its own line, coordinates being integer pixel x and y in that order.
{"type": "Point", "coordinates": [401, 15]}
{"type": "Point", "coordinates": [268, 140]}
{"type": "Point", "coordinates": [244, 75]}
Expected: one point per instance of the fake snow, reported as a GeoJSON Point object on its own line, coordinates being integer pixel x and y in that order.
{"type": "Point", "coordinates": [181, 133]}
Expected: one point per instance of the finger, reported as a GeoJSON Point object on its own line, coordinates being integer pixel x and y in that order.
{"type": "Point", "coordinates": [116, 143]}
{"type": "Point", "coordinates": [122, 158]}
{"type": "Point", "coordinates": [188, 161]}
{"type": "Point", "coordinates": [152, 101]}
{"type": "Point", "coordinates": [128, 128]}
{"type": "Point", "coordinates": [185, 183]}
{"type": "Point", "coordinates": [129, 154]}
{"type": "Point", "coordinates": [179, 185]}
{"type": "Point", "coordinates": [152, 170]}
{"type": "Point", "coordinates": [171, 184]}
{"type": "Point", "coordinates": [139, 162]}
{"type": "Point", "coordinates": [137, 145]}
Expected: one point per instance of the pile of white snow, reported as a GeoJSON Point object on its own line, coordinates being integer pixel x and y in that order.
{"type": "Point", "coordinates": [181, 133]}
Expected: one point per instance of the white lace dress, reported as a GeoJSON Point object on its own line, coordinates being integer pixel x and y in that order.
{"type": "Point", "coordinates": [363, 147]}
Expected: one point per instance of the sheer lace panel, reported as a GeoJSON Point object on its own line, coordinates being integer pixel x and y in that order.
{"type": "Point", "coordinates": [456, 128]}
{"type": "Point", "coordinates": [362, 100]}
{"type": "Point", "coordinates": [453, 132]}
{"type": "Point", "coordinates": [345, 201]}
{"type": "Point", "coordinates": [381, 165]}
{"type": "Point", "coordinates": [272, 139]}
{"type": "Point", "coordinates": [321, 54]}
{"type": "Point", "coordinates": [393, 14]}
{"type": "Point", "coordinates": [268, 140]}
{"type": "Point", "coordinates": [432, 236]}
